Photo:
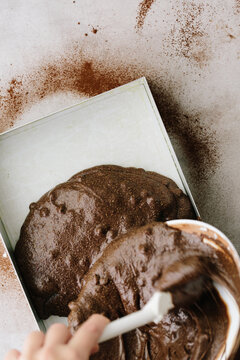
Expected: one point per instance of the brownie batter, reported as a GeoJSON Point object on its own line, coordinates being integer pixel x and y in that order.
{"type": "Point", "coordinates": [186, 281]}
{"type": "Point", "coordinates": [152, 257]}
{"type": "Point", "coordinates": [67, 230]}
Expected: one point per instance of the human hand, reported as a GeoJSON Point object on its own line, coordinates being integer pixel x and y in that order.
{"type": "Point", "coordinates": [59, 344]}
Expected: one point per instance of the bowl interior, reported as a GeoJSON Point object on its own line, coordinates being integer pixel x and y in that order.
{"type": "Point", "coordinates": [212, 234]}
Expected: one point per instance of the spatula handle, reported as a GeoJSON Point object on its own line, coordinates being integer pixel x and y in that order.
{"type": "Point", "coordinates": [126, 324]}
{"type": "Point", "coordinates": [154, 310]}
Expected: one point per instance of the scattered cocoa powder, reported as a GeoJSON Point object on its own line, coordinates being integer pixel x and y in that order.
{"type": "Point", "coordinates": [11, 103]}
{"type": "Point", "coordinates": [188, 37]}
{"type": "Point", "coordinates": [237, 6]}
{"type": "Point", "coordinates": [5, 263]}
{"type": "Point", "coordinates": [231, 36]}
{"type": "Point", "coordinates": [94, 30]}
{"type": "Point", "coordinates": [7, 273]}
{"type": "Point", "coordinates": [89, 77]}
{"type": "Point", "coordinates": [143, 9]}
{"type": "Point", "coordinates": [86, 34]}
{"type": "Point", "coordinates": [79, 76]}
{"type": "Point", "coordinates": [198, 143]}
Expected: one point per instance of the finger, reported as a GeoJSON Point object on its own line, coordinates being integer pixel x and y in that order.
{"type": "Point", "coordinates": [57, 334]}
{"type": "Point", "coordinates": [12, 355]}
{"type": "Point", "coordinates": [87, 336]}
{"type": "Point", "coordinates": [95, 349]}
{"type": "Point", "coordinates": [59, 352]}
{"type": "Point", "coordinates": [33, 343]}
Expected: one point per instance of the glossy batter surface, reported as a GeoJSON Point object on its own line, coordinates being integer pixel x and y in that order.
{"type": "Point", "coordinates": [146, 259]}
{"type": "Point", "coordinates": [67, 230]}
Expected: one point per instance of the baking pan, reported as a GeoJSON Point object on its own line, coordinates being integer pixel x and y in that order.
{"type": "Point", "coordinates": [121, 126]}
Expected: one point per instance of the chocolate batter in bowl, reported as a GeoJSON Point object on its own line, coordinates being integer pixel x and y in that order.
{"type": "Point", "coordinates": [216, 239]}
{"type": "Point", "coordinates": [129, 272]}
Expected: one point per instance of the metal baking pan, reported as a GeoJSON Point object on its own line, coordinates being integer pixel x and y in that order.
{"type": "Point", "coordinates": [121, 126]}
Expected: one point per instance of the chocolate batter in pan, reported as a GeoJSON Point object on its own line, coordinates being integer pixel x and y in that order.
{"type": "Point", "coordinates": [67, 230]}
{"type": "Point", "coordinates": [152, 257]}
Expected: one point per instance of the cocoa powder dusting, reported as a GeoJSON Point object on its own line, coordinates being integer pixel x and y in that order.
{"type": "Point", "coordinates": [143, 9]}
{"type": "Point", "coordinates": [94, 30]}
{"type": "Point", "coordinates": [84, 77]}
{"type": "Point", "coordinates": [12, 100]}
{"type": "Point", "coordinates": [237, 6]}
{"type": "Point", "coordinates": [7, 274]}
{"type": "Point", "coordinates": [231, 36]}
{"type": "Point", "coordinates": [197, 142]}
{"type": "Point", "coordinates": [89, 78]}
{"type": "Point", "coordinates": [189, 37]}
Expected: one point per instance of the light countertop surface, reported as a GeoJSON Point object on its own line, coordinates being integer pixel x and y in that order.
{"type": "Point", "coordinates": [54, 54]}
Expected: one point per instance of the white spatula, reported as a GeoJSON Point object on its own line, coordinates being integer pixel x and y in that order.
{"type": "Point", "coordinates": [153, 311]}
{"type": "Point", "coordinates": [159, 305]}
